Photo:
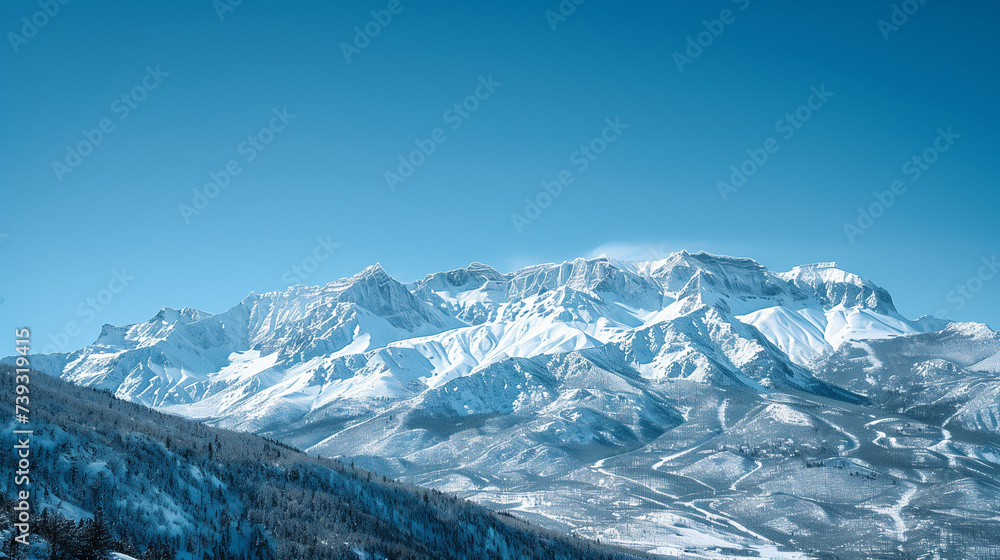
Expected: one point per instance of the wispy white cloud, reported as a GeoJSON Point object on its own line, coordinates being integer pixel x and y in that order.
{"type": "Point", "coordinates": [625, 251]}
{"type": "Point", "coordinates": [634, 251]}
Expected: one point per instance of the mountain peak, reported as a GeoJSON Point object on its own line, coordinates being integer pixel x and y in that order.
{"type": "Point", "coordinates": [711, 259]}
{"type": "Point", "coordinates": [817, 266]}
{"type": "Point", "coordinates": [837, 287]}
{"type": "Point", "coordinates": [373, 270]}
{"type": "Point", "coordinates": [183, 315]}
{"type": "Point", "coordinates": [479, 267]}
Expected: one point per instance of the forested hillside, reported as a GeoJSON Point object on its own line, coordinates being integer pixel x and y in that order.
{"type": "Point", "coordinates": [107, 475]}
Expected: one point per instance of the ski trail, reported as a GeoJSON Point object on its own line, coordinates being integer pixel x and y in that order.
{"type": "Point", "coordinates": [942, 448]}
{"type": "Point", "coordinates": [896, 512]}
{"type": "Point", "coordinates": [740, 479]}
{"type": "Point", "coordinates": [599, 467]}
{"type": "Point", "coordinates": [717, 518]}
{"type": "Point", "coordinates": [852, 437]}
{"type": "Point", "coordinates": [664, 460]}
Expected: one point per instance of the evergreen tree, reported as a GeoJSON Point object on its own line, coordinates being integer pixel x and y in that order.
{"type": "Point", "coordinates": [13, 549]}
{"type": "Point", "coordinates": [61, 534]}
{"type": "Point", "coordinates": [259, 546]}
{"type": "Point", "coordinates": [95, 536]}
{"type": "Point", "coordinates": [159, 551]}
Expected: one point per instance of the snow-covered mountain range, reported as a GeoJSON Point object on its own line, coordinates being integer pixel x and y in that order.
{"type": "Point", "coordinates": [596, 387]}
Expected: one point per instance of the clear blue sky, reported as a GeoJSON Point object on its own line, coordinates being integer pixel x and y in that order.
{"type": "Point", "coordinates": [655, 188]}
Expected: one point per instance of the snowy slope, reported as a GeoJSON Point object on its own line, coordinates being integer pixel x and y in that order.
{"type": "Point", "coordinates": [168, 487]}
{"type": "Point", "coordinates": [849, 308]}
